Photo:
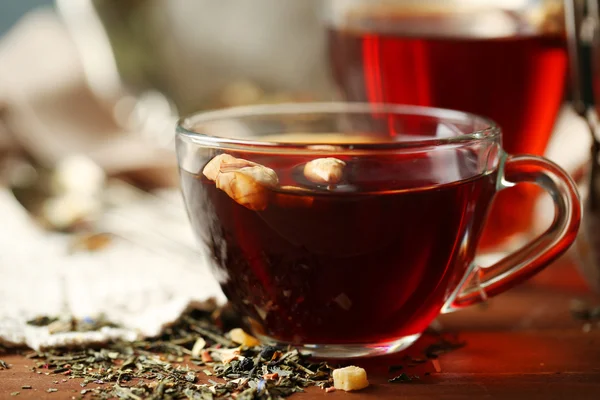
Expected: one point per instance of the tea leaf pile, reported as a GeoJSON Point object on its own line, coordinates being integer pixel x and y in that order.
{"type": "Point", "coordinates": [159, 368]}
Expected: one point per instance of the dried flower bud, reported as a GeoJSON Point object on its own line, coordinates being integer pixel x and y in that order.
{"type": "Point", "coordinates": [244, 181]}
{"type": "Point", "coordinates": [324, 170]}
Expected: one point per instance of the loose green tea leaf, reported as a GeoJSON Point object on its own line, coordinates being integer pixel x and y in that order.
{"type": "Point", "coordinates": [155, 368]}
{"type": "Point", "coordinates": [42, 321]}
{"type": "Point", "coordinates": [403, 378]}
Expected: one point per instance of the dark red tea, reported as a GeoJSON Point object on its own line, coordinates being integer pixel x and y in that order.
{"type": "Point", "coordinates": [370, 260]}
{"type": "Point", "coordinates": [515, 78]}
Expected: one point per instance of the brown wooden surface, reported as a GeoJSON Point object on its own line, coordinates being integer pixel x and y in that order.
{"type": "Point", "coordinates": [524, 345]}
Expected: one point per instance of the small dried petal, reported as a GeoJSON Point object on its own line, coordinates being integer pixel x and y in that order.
{"type": "Point", "coordinates": [206, 357]}
{"type": "Point", "coordinates": [226, 355]}
{"type": "Point", "coordinates": [272, 376]}
{"type": "Point", "coordinates": [198, 347]}
{"type": "Point", "coordinates": [229, 358]}
{"type": "Point", "coordinates": [239, 336]}
{"type": "Point", "coordinates": [324, 170]}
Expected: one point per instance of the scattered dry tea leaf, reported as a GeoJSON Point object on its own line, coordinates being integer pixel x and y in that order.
{"type": "Point", "coordinates": [244, 181]}
{"type": "Point", "coordinates": [404, 378]}
{"type": "Point", "coordinates": [239, 336]}
{"type": "Point", "coordinates": [350, 378]}
{"type": "Point", "coordinates": [324, 170]}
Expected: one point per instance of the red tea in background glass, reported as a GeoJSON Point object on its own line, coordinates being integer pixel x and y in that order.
{"type": "Point", "coordinates": [491, 65]}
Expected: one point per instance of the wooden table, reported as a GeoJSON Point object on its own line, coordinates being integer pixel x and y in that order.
{"type": "Point", "coordinates": [524, 345]}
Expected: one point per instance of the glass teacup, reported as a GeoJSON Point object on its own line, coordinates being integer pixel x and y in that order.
{"type": "Point", "coordinates": [346, 228]}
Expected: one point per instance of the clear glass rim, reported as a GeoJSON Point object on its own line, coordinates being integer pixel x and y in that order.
{"type": "Point", "coordinates": [185, 125]}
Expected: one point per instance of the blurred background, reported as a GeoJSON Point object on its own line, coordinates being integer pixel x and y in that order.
{"type": "Point", "coordinates": [13, 11]}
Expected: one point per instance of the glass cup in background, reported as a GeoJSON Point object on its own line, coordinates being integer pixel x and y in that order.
{"type": "Point", "coordinates": [504, 60]}
{"type": "Point", "coordinates": [346, 228]}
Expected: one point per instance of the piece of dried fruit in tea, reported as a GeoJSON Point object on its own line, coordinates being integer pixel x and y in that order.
{"type": "Point", "coordinates": [350, 378]}
{"type": "Point", "coordinates": [246, 182]}
{"type": "Point", "coordinates": [327, 170]}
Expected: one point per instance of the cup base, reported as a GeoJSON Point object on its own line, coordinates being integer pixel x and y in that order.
{"type": "Point", "coordinates": [343, 351]}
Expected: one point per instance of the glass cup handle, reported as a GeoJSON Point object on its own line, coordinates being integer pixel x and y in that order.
{"type": "Point", "coordinates": [478, 284]}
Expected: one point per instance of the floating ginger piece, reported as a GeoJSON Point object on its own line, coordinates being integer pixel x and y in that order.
{"type": "Point", "coordinates": [240, 337]}
{"type": "Point", "coordinates": [244, 181]}
{"type": "Point", "coordinates": [350, 378]}
{"type": "Point", "coordinates": [324, 170]}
